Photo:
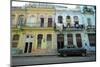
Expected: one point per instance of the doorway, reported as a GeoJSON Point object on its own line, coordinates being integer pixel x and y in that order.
{"type": "Point", "coordinates": [78, 40]}
{"type": "Point", "coordinates": [60, 41]}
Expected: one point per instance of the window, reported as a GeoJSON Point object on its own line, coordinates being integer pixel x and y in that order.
{"type": "Point", "coordinates": [78, 40]}
{"type": "Point", "coordinates": [70, 39]}
{"type": "Point", "coordinates": [31, 21]}
{"type": "Point", "coordinates": [39, 40]}
{"type": "Point", "coordinates": [89, 21]}
{"type": "Point", "coordinates": [49, 41]}
{"type": "Point", "coordinates": [13, 20]}
{"type": "Point", "coordinates": [21, 20]}
{"type": "Point", "coordinates": [14, 44]}
{"type": "Point", "coordinates": [16, 37]}
{"type": "Point", "coordinates": [15, 40]}
{"type": "Point", "coordinates": [75, 18]}
{"type": "Point", "coordinates": [40, 36]}
{"type": "Point", "coordinates": [76, 21]}
{"type": "Point", "coordinates": [27, 36]}
{"type": "Point", "coordinates": [49, 37]}
{"type": "Point", "coordinates": [68, 20]}
{"type": "Point", "coordinates": [42, 22]}
{"type": "Point", "coordinates": [92, 39]}
{"type": "Point", "coordinates": [31, 36]}
{"type": "Point", "coordinates": [60, 19]}
{"type": "Point", "coordinates": [68, 17]}
{"type": "Point", "coordinates": [49, 22]}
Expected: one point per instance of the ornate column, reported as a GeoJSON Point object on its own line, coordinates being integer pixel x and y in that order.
{"type": "Point", "coordinates": [65, 40]}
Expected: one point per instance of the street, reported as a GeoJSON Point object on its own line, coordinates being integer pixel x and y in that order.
{"type": "Point", "coordinates": [17, 61]}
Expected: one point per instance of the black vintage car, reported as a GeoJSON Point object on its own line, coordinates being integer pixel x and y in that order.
{"type": "Point", "coordinates": [72, 51]}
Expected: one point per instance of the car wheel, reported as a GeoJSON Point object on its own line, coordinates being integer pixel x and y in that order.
{"type": "Point", "coordinates": [83, 54]}
{"type": "Point", "coordinates": [64, 55]}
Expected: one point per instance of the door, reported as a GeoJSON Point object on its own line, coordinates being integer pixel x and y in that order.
{"type": "Point", "coordinates": [92, 39]}
{"type": "Point", "coordinates": [39, 40]}
{"type": "Point", "coordinates": [28, 44]}
{"type": "Point", "coordinates": [78, 40]}
{"type": "Point", "coordinates": [28, 47]}
{"type": "Point", "coordinates": [60, 41]}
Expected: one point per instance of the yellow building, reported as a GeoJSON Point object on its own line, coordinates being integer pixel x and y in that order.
{"type": "Point", "coordinates": [32, 30]}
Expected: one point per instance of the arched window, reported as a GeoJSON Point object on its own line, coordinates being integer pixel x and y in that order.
{"type": "Point", "coordinates": [16, 37]}
{"type": "Point", "coordinates": [68, 19]}
{"type": "Point", "coordinates": [21, 20]}
{"type": "Point", "coordinates": [60, 19]}
{"type": "Point", "coordinates": [76, 18]}
{"type": "Point", "coordinates": [13, 20]}
{"type": "Point", "coordinates": [31, 20]}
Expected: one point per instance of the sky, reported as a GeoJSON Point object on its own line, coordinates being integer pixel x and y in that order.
{"type": "Point", "coordinates": [16, 3]}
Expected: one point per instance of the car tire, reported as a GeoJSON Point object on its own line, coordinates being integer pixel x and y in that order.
{"type": "Point", "coordinates": [83, 54]}
{"type": "Point", "coordinates": [64, 55]}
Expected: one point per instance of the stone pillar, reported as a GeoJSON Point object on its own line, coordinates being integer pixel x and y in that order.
{"type": "Point", "coordinates": [21, 43]}
{"type": "Point", "coordinates": [86, 42]}
{"type": "Point", "coordinates": [16, 19]}
{"type": "Point", "coordinates": [43, 45]}
{"type": "Point", "coordinates": [54, 41]}
{"type": "Point", "coordinates": [21, 40]}
{"type": "Point", "coordinates": [83, 39]}
{"type": "Point", "coordinates": [35, 40]}
{"type": "Point", "coordinates": [65, 40]}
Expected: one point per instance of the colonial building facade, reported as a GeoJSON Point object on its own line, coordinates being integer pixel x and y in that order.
{"type": "Point", "coordinates": [42, 29]}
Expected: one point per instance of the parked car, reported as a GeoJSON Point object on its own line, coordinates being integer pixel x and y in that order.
{"type": "Point", "coordinates": [72, 51]}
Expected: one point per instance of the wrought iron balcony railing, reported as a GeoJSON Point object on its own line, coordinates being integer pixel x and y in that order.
{"type": "Point", "coordinates": [71, 27]}
{"type": "Point", "coordinates": [91, 28]}
{"type": "Point", "coordinates": [33, 25]}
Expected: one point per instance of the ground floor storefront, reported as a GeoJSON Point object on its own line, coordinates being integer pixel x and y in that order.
{"type": "Point", "coordinates": [47, 42]}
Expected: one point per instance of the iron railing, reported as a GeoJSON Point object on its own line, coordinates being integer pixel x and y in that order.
{"type": "Point", "coordinates": [34, 25]}
{"type": "Point", "coordinates": [55, 27]}
{"type": "Point", "coordinates": [71, 27]}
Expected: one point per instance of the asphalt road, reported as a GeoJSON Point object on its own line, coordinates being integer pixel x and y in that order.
{"type": "Point", "coordinates": [19, 61]}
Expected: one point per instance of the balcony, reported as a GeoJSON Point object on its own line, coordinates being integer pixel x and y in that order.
{"type": "Point", "coordinates": [73, 27]}
{"type": "Point", "coordinates": [91, 28]}
{"type": "Point", "coordinates": [33, 26]}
